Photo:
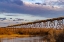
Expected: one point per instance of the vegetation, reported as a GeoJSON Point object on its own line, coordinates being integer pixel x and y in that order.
{"type": "Point", "coordinates": [58, 34]}
{"type": "Point", "coordinates": [60, 37]}
{"type": "Point", "coordinates": [24, 31]}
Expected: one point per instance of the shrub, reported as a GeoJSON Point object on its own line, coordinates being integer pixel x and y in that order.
{"type": "Point", "coordinates": [60, 37]}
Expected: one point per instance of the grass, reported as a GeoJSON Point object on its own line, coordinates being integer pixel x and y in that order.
{"type": "Point", "coordinates": [26, 32]}
{"type": "Point", "coordinates": [60, 37]}
{"type": "Point", "coordinates": [13, 36]}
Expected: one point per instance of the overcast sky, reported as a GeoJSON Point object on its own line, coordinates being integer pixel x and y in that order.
{"type": "Point", "coordinates": [18, 11]}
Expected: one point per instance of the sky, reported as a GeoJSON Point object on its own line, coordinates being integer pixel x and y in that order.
{"type": "Point", "coordinates": [34, 1]}
{"type": "Point", "coordinates": [19, 11]}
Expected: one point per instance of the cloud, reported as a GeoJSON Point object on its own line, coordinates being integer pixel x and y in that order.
{"type": "Point", "coordinates": [6, 23]}
{"type": "Point", "coordinates": [54, 2]}
{"type": "Point", "coordinates": [3, 18]}
{"type": "Point", "coordinates": [18, 2]}
{"type": "Point", "coordinates": [21, 18]}
{"type": "Point", "coordinates": [17, 16]}
{"type": "Point", "coordinates": [33, 9]}
{"type": "Point", "coordinates": [38, 3]}
{"type": "Point", "coordinates": [11, 15]}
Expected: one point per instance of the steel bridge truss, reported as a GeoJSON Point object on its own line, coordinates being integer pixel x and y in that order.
{"type": "Point", "coordinates": [57, 23]}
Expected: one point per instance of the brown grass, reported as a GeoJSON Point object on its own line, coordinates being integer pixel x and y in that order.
{"type": "Point", "coordinates": [60, 38]}
{"type": "Point", "coordinates": [18, 32]}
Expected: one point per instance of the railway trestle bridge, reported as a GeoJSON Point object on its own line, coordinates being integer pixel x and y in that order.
{"type": "Point", "coordinates": [56, 23]}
